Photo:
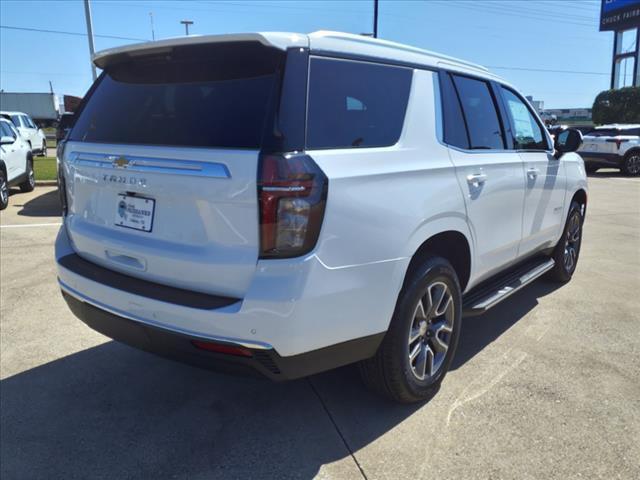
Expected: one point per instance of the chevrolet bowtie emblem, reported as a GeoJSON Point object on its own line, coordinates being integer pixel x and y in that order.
{"type": "Point", "coordinates": [120, 162]}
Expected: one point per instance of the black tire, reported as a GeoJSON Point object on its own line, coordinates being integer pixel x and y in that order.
{"type": "Point", "coordinates": [390, 371]}
{"type": "Point", "coordinates": [43, 152]}
{"type": "Point", "coordinates": [4, 191]}
{"type": "Point", "coordinates": [591, 168]}
{"type": "Point", "coordinates": [631, 164]}
{"type": "Point", "coordinates": [30, 183]}
{"type": "Point", "coordinates": [567, 250]}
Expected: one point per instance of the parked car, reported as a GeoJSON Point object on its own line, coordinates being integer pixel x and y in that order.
{"type": "Point", "coordinates": [16, 162]}
{"type": "Point", "coordinates": [31, 133]}
{"type": "Point", "coordinates": [616, 146]}
{"type": "Point", "coordinates": [355, 217]}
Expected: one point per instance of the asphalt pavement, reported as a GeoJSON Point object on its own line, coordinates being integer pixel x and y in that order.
{"type": "Point", "coordinates": [546, 385]}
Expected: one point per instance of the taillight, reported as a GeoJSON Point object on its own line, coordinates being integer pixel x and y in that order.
{"type": "Point", "coordinates": [292, 191]}
{"type": "Point", "coordinates": [617, 141]}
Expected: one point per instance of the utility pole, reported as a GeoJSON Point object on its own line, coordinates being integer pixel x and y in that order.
{"type": "Point", "coordinates": [87, 14]}
{"type": "Point", "coordinates": [375, 18]}
{"type": "Point", "coordinates": [153, 33]}
{"type": "Point", "coordinates": [186, 24]}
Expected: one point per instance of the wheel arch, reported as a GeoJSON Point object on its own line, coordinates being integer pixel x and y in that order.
{"type": "Point", "coordinates": [3, 168]}
{"type": "Point", "coordinates": [454, 246]}
{"type": "Point", "coordinates": [580, 196]}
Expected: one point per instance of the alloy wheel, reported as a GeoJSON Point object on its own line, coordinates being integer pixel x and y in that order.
{"type": "Point", "coordinates": [572, 242]}
{"type": "Point", "coordinates": [32, 177]}
{"type": "Point", "coordinates": [633, 164]}
{"type": "Point", "coordinates": [4, 191]}
{"type": "Point", "coordinates": [430, 332]}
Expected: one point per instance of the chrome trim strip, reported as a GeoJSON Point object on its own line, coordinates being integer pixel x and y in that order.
{"type": "Point", "coordinates": [148, 164]}
{"type": "Point", "coordinates": [135, 318]}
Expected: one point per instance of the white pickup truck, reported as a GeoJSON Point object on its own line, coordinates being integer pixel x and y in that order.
{"type": "Point", "coordinates": [292, 203]}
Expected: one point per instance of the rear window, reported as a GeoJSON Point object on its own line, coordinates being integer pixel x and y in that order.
{"type": "Point", "coordinates": [200, 96]}
{"type": "Point", "coordinates": [356, 104]}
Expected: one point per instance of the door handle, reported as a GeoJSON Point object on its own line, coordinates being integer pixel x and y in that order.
{"type": "Point", "coordinates": [533, 172]}
{"type": "Point", "coordinates": [476, 179]}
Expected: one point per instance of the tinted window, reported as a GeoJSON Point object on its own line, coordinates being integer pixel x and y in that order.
{"type": "Point", "coordinates": [6, 130]}
{"type": "Point", "coordinates": [202, 96]}
{"type": "Point", "coordinates": [478, 105]}
{"type": "Point", "coordinates": [16, 120]}
{"type": "Point", "coordinates": [527, 133]}
{"type": "Point", "coordinates": [356, 104]}
{"type": "Point", "coordinates": [604, 132]}
{"type": "Point", "coordinates": [455, 132]}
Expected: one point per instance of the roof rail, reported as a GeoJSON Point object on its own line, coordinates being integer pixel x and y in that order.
{"type": "Point", "coordinates": [349, 37]}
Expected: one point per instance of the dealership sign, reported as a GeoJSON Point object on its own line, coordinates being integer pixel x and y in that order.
{"type": "Point", "coordinates": [619, 14]}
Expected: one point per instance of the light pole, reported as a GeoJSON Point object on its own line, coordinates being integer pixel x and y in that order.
{"type": "Point", "coordinates": [375, 18]}
{"type": "Point", "coordinates": [153, 33]}
{"type": "Point", "coordinates": [87, 14]}
{"type": "Point", "coordinates": [186, 24]}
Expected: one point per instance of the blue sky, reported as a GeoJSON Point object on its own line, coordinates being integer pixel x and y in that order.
{"type": "Point", "coordinates": [518, 35]}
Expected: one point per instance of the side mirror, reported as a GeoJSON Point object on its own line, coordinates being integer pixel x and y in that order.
{"type": "Point", "coordinates": [567, 141]}
{"type": "Point", "coordinates": [7, 140]}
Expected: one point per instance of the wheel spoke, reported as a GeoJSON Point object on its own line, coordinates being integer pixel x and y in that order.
{"type": "Point", "coordinates": [428, 361]}
{"type": "Point", "coordinates": [439, 343]}
{"type": "Point", "coordinates": [420, 313]}
{"type": "Point", "coordinates": [414, 353]}
{"type": "Point", "coordinates": [414, 335]}
{"type": "Point", "coordinates": [436, 299]}
{"type": "Point", "coordinates": [421, 364]}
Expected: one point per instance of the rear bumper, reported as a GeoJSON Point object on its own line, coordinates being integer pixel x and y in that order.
{"type": "Point", "coordinates": [596, 158]}
{"type": "Point", "coordinates": [179, 347]}
{"type": "Point", "coordinates": [302, 314]}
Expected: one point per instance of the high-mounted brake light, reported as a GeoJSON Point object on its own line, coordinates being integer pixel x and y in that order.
{"type": "Point", "coordinates": [292, 191]}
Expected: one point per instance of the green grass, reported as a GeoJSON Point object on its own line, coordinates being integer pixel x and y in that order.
{"type": "Point", "coordinates": [45, 168]}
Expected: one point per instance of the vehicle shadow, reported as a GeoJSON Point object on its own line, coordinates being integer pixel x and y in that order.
{"type": "Point", "coordinates": [45, 205]}
{"type": "Point", "coordinates": [114, 412]}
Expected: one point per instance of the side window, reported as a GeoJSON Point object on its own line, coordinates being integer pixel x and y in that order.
{"type": "Point", "coordinates": [7, 131]}
{"type": "Point", "coordinates": [356, 104]}
{"type": "Point", "coordinates": [479, 108]}
{"type": "Point", "coordinates": [29, 122]}
{"type": "Point", "coordinates": [455, 131]}
{"type": "Point", "coordinates": [16, 120]}
{"type": "Point", "coordinates": [527, 132]}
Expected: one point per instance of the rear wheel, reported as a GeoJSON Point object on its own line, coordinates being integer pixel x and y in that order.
{"type": "Point", "coordinates": [30, 183]}
{"type": "Point", "coordinates": [567, 250]}
{"type": "Point", "coordinates": [43, 151]}
{"type": "Point", "coordinates": [631, 164]}
{"type": "Point", "coordinates": [4, 191]}
{"type": "Point", "coordinates": [419, 346]}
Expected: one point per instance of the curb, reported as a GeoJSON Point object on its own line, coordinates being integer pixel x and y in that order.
{"type": "Point", "coordinates": [46, 183]}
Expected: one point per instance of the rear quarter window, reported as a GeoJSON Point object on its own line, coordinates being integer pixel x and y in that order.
{"type": "Point", "coordinates": [356, 104]}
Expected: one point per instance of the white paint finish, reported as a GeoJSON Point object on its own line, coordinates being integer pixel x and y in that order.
{"type": "Point", "coordinates": [494, 206]}
{"type": "Point", "coordinates": [14, 155]}
{"type": "Point", "coordinates": [28, 130]}
{"type": "Point", "coordinates": [543, 216]}
{"type": "Point", "coordinates": [205, 230]}
{"type": "Point", "coordinates": [383, 203]}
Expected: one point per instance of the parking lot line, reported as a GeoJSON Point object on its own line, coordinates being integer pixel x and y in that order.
{"type": "Point", "coordinates": [56, 224]}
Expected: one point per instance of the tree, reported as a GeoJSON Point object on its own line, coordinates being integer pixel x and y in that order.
{"type": "Point", "coordinates": [617, 106]}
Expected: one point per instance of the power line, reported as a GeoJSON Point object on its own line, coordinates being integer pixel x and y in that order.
{"type": "Point", "coordinates": [78, 34]}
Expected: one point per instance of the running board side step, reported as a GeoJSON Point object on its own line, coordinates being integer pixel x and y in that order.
{"type": "Point", "coordinates": [480, 300]}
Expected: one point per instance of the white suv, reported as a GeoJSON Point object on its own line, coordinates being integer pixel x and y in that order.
{"type": "Point", "coordinates": [30, 132]}
{"type": "Point", "coordinates": [615, 145]}
{"type": "Point", "coordinates": [16, 162]}
{"type": "Point", "coordinates": [293, 203]}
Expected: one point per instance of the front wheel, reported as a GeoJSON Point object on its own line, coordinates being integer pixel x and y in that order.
{"type": "Point", "coordinates": [567, 250]}
{"type": "Point", "coordinates": [419, 346]}
{"type": "Point", "coordinates": [30, 183]}
{"type": "Point", "coordinates": [43, 151]}
{"type": "Point", "coordinates": [631, 165]}
{"type": "Point", "coordinates": [4, 191]}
